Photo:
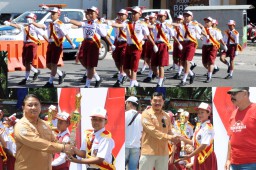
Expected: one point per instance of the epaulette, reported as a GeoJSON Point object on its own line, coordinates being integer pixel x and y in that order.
{"type": "Point", "coordinates": [194, 23]}
{"type": "Point", "coordinates": [209, 125]}
{"type": "Point", "coordinates": [88, 131]}
{"type": "Point", "coordinates": [106, 134]}
{"type": "Point", "coordinates": [59, 22]}
{"type": "Point", "coordinates": [235, 32]}
{"type": "Point", "coordinates": [190, 125]}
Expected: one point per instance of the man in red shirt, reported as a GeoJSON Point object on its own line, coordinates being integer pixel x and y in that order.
{"type": "Point", "coordinates": [241, 154]}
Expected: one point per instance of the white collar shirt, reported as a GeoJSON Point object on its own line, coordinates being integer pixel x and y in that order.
{"type": "Point", "coordinates": [169, 32]}
{"type": "Point", "coordinates": [204, 134]}
{"type": "Point", "coordinates": [94, 27]}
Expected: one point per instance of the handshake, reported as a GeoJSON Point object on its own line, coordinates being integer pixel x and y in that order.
{"type": "Point", "coordinates": [175, 138]}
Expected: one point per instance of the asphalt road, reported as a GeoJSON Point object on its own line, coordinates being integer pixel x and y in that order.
{"type": "Point", "coordinates": [244, 74]}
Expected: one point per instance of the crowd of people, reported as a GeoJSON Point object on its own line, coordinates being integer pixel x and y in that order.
{"type": "Point", "coordinates": [134, 40]}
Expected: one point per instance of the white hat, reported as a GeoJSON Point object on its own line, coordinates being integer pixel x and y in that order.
{"type": "Point", "coordinates": [231, 22]}
{"type": "Point", "coordinates": [93, 8]}
{"type": "Point", "coordinates": [208, 18]}
{"type": "Point", "coordinates": [123, 11]}
{"type": "Point", "coordinates": [214, 21]}
{"type": "Point", "coordinates": [180, 110]}
{"type": "Point", "coordinates": [99, 112]}
{"type": "Point", "coordinates": [204, 106]}
{"type": "Point", "coordinates": [31, 15]}
{"type": "Point", "coordinates": [55, 9]}
{"type": "Point", "coordinates": [146, 17]}
{"type": "Point", "coordinates": [180, 17]}
{"type": "Point", "coordinates": [186, 113]}
{"type": "Point", "coordinates": [189, 13]}
{"type": "Point", "coordinates": [162, 12]}
{"type": "Point", "coordinates": [137, 9]}
{"type": "Point", "coordinates": [63, 116]}
{"type": "Point", "coordinates": [52, 107]}
{"type": "Point", "coordinates": [152, 15]}
{"type": "Point", "coordinates": [132, 99]}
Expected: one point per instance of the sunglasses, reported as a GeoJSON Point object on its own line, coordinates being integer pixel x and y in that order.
{"type": "Point", "coordinates": [163, 123]}
{"type": "Point", "coordinates": [235, 93]}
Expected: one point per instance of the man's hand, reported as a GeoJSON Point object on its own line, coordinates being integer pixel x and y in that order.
{"type": "Point", "coordinates": [67, 149]}
{"type": "Point", "coordinates": [227, 165]}
{"type": "Point", "coordinates": [66, 19]}
{"type": "Point", "coordinates": [7, 23]}
{"type": "Point", "coordinates": [175, 139]}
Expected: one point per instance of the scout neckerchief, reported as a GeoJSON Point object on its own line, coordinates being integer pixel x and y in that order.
{"type": "Point", "coordinates": [161, 34]}
{"type": "Point", "coordinates": [179, 36]}
{"type": "Point", "coordinates": [29, 36]}
{"type": "Point", "coordinates": [188, 34]}
{"type": "Point", "coordinates": [204, 154]}
{"type": "Point", "coordinates": [57, 41]}
{"type": "Point", "coordinates": [211, 39]}
{"type": "Point", "coordinates": [135, 40]}
{"type": "Point", "coordinates": [104, 165]}
{"type": "Point", "coordinates": [230, 38]}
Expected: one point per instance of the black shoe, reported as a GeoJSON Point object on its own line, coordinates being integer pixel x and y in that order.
{"type": "Point", "coordinates": [170, 69]}
{"type": "Point", "coordinates": [36, 75]}
{"type": "Point", "coordinates": [191, 80]}
{"type": "Point", "coordinates": [193, 66]}
{"type": "Point", "coordinates": [117, 84]}
{"type": "Point", "coordinates": [49, 85]}
{"type": "Point", "coordinates": [182, 83]}
{"type": "Point", "coordinates": [206, 74]}
{"type": "Point", "coordinates": [208, 80]}
{"type": "Point", "coordinates": [176, 76]}
{"type": "Point", "coordinates": [61, 78]}
{"type": "Point", "coordinates": [228, 77]}
{"type": "Point", "coordinates": [98, 83]}
{"type": "Point", "coordinates": [124, 79]}
{"type": "Point", "coordinates": [147, 79]}
{"type": "Point", "coordinates": [115, 75]}
{"type": "Point", "coordinates": [23, 82]}
{"type": "Point", "coordinates": [153, 76]}
{"type": "Point", "coordinates": [86, 87]}
{"type": "Point", "coordinates": [83, 79]}
{"type": "Point", "coordinates": [228, 71]}
{"type": "Point", "coordinates": [215, 70]}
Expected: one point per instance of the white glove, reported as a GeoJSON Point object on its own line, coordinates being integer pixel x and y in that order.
{"type": "Point", "coordinates": [7, 23]}
{"type": "Point", "coordinates": [103, 20]}
{"type": "Point", "coordinates": [109, 23]}
{"type": "Point", "coordinates": [113, 48]}
{"type": "Point", "coordinates": [208, 37]}
{"type": "Point", "coordinates": [30, 20]}
{"type": "Point", "coordinates": [180, 47]}
{"type": "Point", "coordinates": [236, 53]}
{"type": "Point", "coordinates": [155, 48]}
{"type": "Point", "coordinates": [73, 46]}
{"type": "Point", "coordinates": [225, 48]}
{"type": "Point", "coordinates": [66, 19]}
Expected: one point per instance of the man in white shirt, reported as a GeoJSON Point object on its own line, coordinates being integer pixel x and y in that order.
{"type": "Point", "coordinates": [133, 132]}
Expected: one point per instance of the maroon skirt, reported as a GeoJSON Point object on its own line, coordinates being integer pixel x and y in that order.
{"type": "Point", "coordinates": [210, 163]}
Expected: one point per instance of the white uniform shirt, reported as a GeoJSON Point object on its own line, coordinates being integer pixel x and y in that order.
{"type": "Point", "coordinates": [117, 30]}
{"type": "Point", "coordinates": [59, 27]}
{"type": "Point", "coordinates": [133, 132]}
{"type": "Point", "coordinates": [140, 31]}
{"type": "Point", "coordinates": [102, 147]}
{"type": "Point", "coordinates": [62, 158]}
{"type": "Point", "coordinates": [234, 34]}
{"type": "Point", "coordinates": [204, 135]}
{"type": "Point", "coordinates": [94, 28]}
{"type": "Point", "coordinates": [33, 31]}
{"type": "Point", "coordinates": [193, 28]}
{"type": "Point", "coordinates": [214, 33]}
{"type": "Point", "coordinates": [169, 32]}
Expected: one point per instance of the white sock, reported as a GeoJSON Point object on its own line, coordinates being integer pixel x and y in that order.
{"type": "Point", "coordinates": [210, 75]}
{"type": "Point", "coordinates": [132, 83]}
{"type": "Point", "coordinates": [143, 67]}
{"type": "Point", "coordinates": [160, 81]}
{"type": "Point", "coordinates": [192, 63]}
{"type": "Point", "coordinates": [231, 72]}
{"type": "Point", "coordinates": [96, 76]}
{"type": "Point", "coordinates": [150, 73]}
{"type": "Point", "coordinates": [59, 72]}
{"type": "Point", "coordinates": [27, 75]}
{"type": "Point", "coordinates": [33, 69]}
{"type": "Point", "coordinates": [191, 73]}
{"type": "Point", "coordinates": [136, 83]}
{"type": "Point", "coordinates": [51, 79]}
{"type": "Point", "coordinates": [88, 82]}
{"type": "Point", "coordinates": [180, 70]}
{"type": "Point", "coordinates": [185, 77]}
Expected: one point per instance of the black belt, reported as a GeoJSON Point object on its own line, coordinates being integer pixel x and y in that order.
{"type": "Point", "coordinates": [130, 45]}
{"type": "Point", "coordinates": [159, 42]}
{"type": "Point", "coordinates": [93, 169]}
{"type": "Point", "coordinates": [207, 44]}
{"type": "Point", "coordinates": [121, 42]}
{"type": "Point", "coordinates": [89, 39]}
{"type": "Point", "coordinates": [232, 45]}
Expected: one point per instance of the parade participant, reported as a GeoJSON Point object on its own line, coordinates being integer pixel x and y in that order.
{"type": "Point", "coordinates": [133, 132]}
{"type": "Point", "coordinates": [96, 149]}
{"type": "Point", "coordinates": [56, 32]}
{"type": "Point", "coordinates": [214, 26]}
{"type": "Point", "coordinates": [31, 42]}
{"type": "Point", "coordinates": [93, 31]}
{"type": "Point", "coordinates": [155, 135]}
{"type": "Point", "coordinates": [136, 30]}
{"type": "Point", "coordinates": [60, 162]}
{"type": "Point", "coordinates": [202, 141]}
{"type": "Point", "coordinates": [162, 34]}
{"type": "Point", "coordinates": [231, 38]}
{"type": "Point", "coordinates": [34, 138]}
{"type": "Point", "coordinates": [242, 124]}
{"type": "Point", "coordinates": [119, 53]}
{"type": "Point", "coordinates": [150, 51]}
{"type": "Point", "coordinates": [210, 47]}
{"type": "Point", "coordinates": [3, 143]}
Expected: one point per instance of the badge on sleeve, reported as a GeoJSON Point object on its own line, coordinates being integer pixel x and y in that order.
{"type": "Point", "coordinates": [199, 137]}
{"type": "Point", "coordinates": [23, 132]}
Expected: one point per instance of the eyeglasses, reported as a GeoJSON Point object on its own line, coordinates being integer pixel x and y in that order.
{"type": "Point", "coordinates": [163, 123]}
{"type": "Point", "coordinates": [234, 93]}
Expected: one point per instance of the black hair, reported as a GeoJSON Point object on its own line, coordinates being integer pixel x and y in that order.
{"type": "Point", "coordinates": [157, 94]}
{"type": "Point", "coordinates": [28, 96]}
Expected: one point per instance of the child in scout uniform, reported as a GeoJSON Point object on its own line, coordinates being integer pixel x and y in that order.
{"type": "Point", "coordinates": [96, 148]}
{"type": "Point", "coordinates": [60, 162]}
{"type": "Point", "coordinates": [31, 42]}
{"type": "Point", "coordinates": [202, 141]}
{"type": "Point", "coordinates": [231, 38]}
{"type": "Point", "coordinates": [93, 31]}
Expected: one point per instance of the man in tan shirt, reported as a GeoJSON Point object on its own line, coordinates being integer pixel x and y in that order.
{"type": "Point", "coordinates": [34, 139]}
{"type": "Point", "coordinates": [156, 133]}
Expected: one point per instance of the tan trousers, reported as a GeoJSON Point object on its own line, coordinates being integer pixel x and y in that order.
{"type": "Point", "coordinates": [148, 162]}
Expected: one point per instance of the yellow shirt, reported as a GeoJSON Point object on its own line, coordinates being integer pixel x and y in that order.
{"type": "Point", "coordinates": [155, 136]}
{"type": "Point", "coordinates": [35, 143]}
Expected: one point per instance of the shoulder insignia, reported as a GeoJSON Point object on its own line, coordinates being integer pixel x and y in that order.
{"type": "Point", "coordinates": [194, 23]}
{"type": "Point", "coordinates": [209, 125]}
{"type": "Point", "coordinates": [59, 22]}
{"type": "Point", "coordinates": [235, 32]}
{"type": "Point", "coordinates": [106, 134]}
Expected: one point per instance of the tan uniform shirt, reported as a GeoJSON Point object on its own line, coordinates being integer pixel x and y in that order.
{"type": "Point", "coordinates": [155, 136]}
{"type": "Point", "coordinates": [35, 143]}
